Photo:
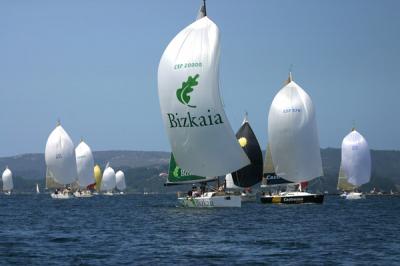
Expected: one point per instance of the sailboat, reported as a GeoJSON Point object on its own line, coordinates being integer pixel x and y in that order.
{"type": "Point", "coordinates": [97, 177]}
{"type": "Point", "coordinates": [61, 162]}
{"type": "Point", "coordinates": [355, 167]}
{"type": "Point", "coordinates": [7, 179]}
{"type": "Point", "coordinates": [37, 189]}
{"type": "Point", "coordinates": [108, 181]}
{"type": "Point", "coordinates": [294, 143]}
{"type": "Point", "coordinates": [85, 165]}
{"type": "Point", "coordinates": [198, 129]}
{"type": "Point", "coordinates": [120, 181]}
{"type": "Point", "coordinates": [251, 174]}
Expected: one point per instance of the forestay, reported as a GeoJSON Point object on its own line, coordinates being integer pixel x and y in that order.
{"type": "Point", "coordinates": [85, 164]}
{"type": "Point", "coordinates": [199, 132]}
{"type": "Point", "coordinates": [356, 159]}
{"type": "Point", "coordinates": [293, 136]}
{"type": "Point", "coordinates": [60, 156]}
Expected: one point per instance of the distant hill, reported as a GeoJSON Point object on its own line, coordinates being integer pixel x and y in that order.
{"type": "Point", "coordinates": [142, 170]}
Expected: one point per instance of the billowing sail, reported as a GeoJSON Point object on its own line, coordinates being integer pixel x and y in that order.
{"type": "Point", "coordinates": [270, 177]}
{"type": "Point", "coordinates": [343, 184]}
{"type": "Point", "coordinates": [229, 184]}
{"type": "Point", "coordinates": [199, 132]}
{"type": "Point", "coordinates": [252, 173]}
{"type": "Point", "coordinates": [177, 175]}
{"type": "Point", "coordinates": [120, 180]}
{"type": "Point", "coordinates": [108, 181]}
{"type": "Point", "coordinates": [60, 156]}
{"type": "Point", "coordinates": [293, 135]}
{"type": "Point", "coordinates": [97, 176]}
{"type": "Point", "coordinates": [7, 179]}
{"type": "Point", "coordinates": [356, 159]}
{"type": "Point", "coordinates": [85, 164]}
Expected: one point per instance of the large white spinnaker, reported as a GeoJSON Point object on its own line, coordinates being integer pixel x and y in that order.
{"type": "Point", "coordinates": [7, 179]}
{"type": "Point", "coordinates": [108, 181]}
{"type": "Point", "coordinates": [356, 159]}
{"type": "Point", "coordinates": [293, 135]}
{"type": "Point", "coordinates": [199, 132]}
{"type": "Point", "coordinates": [60, 156]}
{"type": "Point", "coordinates": [120, 180]}
{"type": "Point", "coordinates": [85, 164]}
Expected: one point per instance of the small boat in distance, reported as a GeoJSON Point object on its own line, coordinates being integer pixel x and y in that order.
{"type": "Point", "coordinates": [85, 166]}
{"type": "Point", "coordinates": [108, 181]}
{"type": "Point", "coordinates": [355, 166]}
{"type": "Point", "coordinates": [120, 181]}
{"type": "Point", "coordinates": [7, 179]}
{"type": "Point", "coordinates": [37, 189]}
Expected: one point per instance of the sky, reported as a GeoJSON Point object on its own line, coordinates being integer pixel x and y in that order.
{"type": "Point", "coordinates": [93, 65]}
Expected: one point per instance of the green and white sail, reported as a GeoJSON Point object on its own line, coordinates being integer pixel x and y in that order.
{"type": "Point", "coordinates": [198, 129]}
{"type": "Point", "coordinates": [177, 175]}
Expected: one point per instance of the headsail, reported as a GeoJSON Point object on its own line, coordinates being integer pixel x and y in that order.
{"type": "Point", "coordinates": [85, 164]}
{"type": "Point", "coordinates": [343, 184]}
{"type": "Point", "coordinates": [229, 184]}
{"type": "Point", "coordinates": [270, 177]}
{"type": "Point", "coordinates": [60, 156]}
{"type": "Point", "coordinates": [356, 159]}
{"type": "Point", "coordinates": [199, 132]}
{"type": "Point", "coordinates": [7, 179]}
{"type": "Point", "coordinates": [293, 135]}
{"type": "Point", "coordinates": [252, 173]}
{"type": "Point", "coordinates": [177, 175]}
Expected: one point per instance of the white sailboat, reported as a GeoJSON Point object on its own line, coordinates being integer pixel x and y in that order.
{"type": "Point", "coordinates": [294, 143]}
{"type": "Point", "coordinates": [37, 189]}
{"type": "Point", "coordinates": [355, 168]}
{"type": "Point", "coordinates": [108, 181]}
{"type": "Point", "coordinates": [85, 166]}
{"type": "Point", "coordinates": [198, 129]}
{"type": "Point", "coordinates": [120, 181]}
{"type": "Point", "coordinates": [61, 162]}
{"type": "Point", "coordinates": [7, 179]}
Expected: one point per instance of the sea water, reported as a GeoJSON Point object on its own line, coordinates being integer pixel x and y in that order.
{"type": "Point", "coordinates": [148, 230]}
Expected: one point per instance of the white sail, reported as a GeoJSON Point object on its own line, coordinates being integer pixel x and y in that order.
{"type": "Point", "coordinates": [108, 181]}
{"type": "Point", "coordinates": [60, 156]}
{"type": "Point", "coordinates": [37, 189]}
{"type": "Point", "coordinates": [120, 180]}
{"type": "Point", "coordinates": [356, 159]}
{"type": "Point", "coordinates": [7, 179]}
{"type": "Point", "coordinates": [293, 136]}
{"type": "Point", "coordinates": [85, 164]}
{"type": "Point", "coordinates": [229, 182]}
{"type": "Point", "coordinates": [199, 132]}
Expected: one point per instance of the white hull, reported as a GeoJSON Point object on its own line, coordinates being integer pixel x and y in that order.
{"type": "Point", "coordinates": [108, 194]}
{"type": "Point", "coordinates": [211, 200]}
{"type": "Point", "coordinates": [355, 196]}
{"type": "Point", "coordinates": [83, 194]}
{"type": "Point", "coordinates": [8, 193]}
{"type": "Point", "coordinates": [62, 196]}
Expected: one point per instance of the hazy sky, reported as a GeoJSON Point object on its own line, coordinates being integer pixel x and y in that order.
{"type": "Point", "coordinates": [93, 64]}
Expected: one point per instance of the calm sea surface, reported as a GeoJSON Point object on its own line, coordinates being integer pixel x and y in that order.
{"type": "Point", "coordinates": [136, 229]}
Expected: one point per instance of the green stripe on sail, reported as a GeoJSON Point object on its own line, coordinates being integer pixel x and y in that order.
{"type": "Point", "coordinates": [177, 174]}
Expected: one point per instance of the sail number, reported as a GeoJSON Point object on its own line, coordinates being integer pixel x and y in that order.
{"type": "Point", "coordinates": [187, 65]}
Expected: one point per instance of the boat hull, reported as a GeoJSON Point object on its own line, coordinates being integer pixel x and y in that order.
{"type": "Point", "coordinates": [209, 200]}
{"type": "Point", "coordinates": [354, 196]}
{"type": "Point", "coordinates": [293, 199]}
{"type": "Point", "coordinates": [61, 196]}
{"type": "Point", "coordinates": [82, 194]}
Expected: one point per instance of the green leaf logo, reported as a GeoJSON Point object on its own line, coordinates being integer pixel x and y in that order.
{"type": "Point", "coordinates": [176, 171]}
{"type": "Point", "coordinates": [187, 87]}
